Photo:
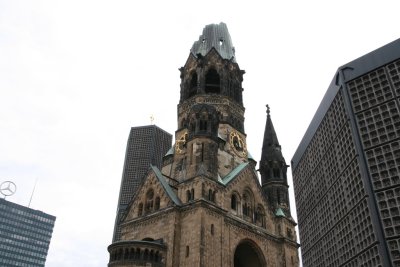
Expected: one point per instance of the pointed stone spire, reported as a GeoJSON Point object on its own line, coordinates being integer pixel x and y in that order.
{"type": "Point", "coordinates": [271, 150]}
{"type": "Point", "coordinates": [273, 169]}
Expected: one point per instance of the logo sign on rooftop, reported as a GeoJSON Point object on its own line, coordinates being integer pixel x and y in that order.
{"type": "Point", "coordinates": [7, 188]}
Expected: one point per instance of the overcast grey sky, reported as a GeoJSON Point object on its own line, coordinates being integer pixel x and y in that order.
{"type": "Point", "coordinates": [76, 75]}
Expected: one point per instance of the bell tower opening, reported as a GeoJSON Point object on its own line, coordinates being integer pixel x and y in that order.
{"type": "Point", "coordinates": [193, 85]}
{"type": "Point", "coordinates": [248, 254]}
{"type": "Point", "coordinates": [212, 82]}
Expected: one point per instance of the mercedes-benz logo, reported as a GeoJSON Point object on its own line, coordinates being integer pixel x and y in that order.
{"type": "Point", "coordinates": [8, 188]}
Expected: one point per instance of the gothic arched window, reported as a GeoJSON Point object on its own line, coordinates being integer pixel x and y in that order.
{"type": "Point", "coordinates": [212, 82]}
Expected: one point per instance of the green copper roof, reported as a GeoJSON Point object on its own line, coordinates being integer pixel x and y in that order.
{"type": "Point", "coordinates": [279, 213]}
{"type": "Point", "coordinates": [166, 186]}
{"type": "Point", "coordinates": [233, 173]}
{"type": "Point", "coordinates": [171, 151]}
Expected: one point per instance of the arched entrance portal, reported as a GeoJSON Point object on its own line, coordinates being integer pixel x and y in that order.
{"type": "Point", "coordinates": [247, 254]}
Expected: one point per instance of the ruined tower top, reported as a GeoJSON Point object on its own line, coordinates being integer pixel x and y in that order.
{"type": "Point", "coordinates": [217, 36]}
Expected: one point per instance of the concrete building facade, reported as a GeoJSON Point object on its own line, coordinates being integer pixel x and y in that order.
{"type": "Point", "coordinates": [346, 170]}
{"type": "Point", "coordinates": [25, 235]}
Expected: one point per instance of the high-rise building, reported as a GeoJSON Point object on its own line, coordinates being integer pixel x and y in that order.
{"type": "Point", "coordinates": [346, 170]}
{"type": "Point", "coordinates": [146, 146]}
{"type": "Point", "coordinates": [205, 206]}
{"type": "Point", "coordinates": [25, 235]}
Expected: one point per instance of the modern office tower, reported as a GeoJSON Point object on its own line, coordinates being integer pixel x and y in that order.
{"type": "Point", "coordinates": [146, 146]}
{"type": "Point", "coordinates": [205, 206]}
{"type": "Point", "coordinates": [25, 235]}
{"type": "Point", "coordinates": [346, 170]}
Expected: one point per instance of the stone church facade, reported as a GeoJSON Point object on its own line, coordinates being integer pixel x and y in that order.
{"type": "Point", "coordinates": [206, 205]}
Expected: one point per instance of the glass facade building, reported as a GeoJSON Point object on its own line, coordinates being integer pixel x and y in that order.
{"type": "Point", "coordinates": [346, 170]}
{"type": "Point", "coordinates": [25, 235]}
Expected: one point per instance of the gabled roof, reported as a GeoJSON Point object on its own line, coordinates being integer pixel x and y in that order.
{"type": "Point", "coordinates": [233, 173]}
{"type": "Point", "coordinates": [165, 185]}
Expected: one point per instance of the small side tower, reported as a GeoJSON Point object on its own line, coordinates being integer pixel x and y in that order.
{"type": "Point", "coordinates": [273, 170]}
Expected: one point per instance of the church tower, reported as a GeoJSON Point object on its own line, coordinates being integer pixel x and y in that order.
{"type": "Point", "coordinates": [206, 206]}
{"type": "Point", "coordinates": [273, 170]}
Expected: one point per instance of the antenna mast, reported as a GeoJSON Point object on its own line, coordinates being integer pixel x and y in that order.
{"type": "Point", "coordinates": [33, 191]}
